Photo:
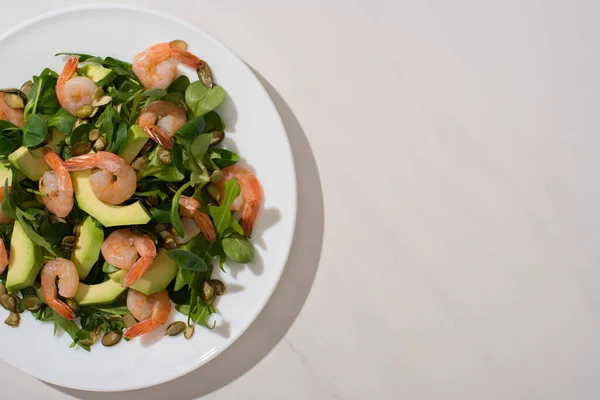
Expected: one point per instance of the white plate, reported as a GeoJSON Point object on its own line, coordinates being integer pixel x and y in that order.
{"type": "Point", "coordinates": [255, 131]}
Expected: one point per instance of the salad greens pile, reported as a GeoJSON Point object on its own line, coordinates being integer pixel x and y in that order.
{"type": "Point", "coordinates": [191, 168]}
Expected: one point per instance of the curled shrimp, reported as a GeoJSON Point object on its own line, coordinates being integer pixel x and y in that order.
{"type": "Point", "coordinates": [160, 120]}
{"type": "Point", "coordinates": [113, 182]}
{"type": "Point", "coordinates": [121, 249]}
{"type": "Point", "coordinates": [188, 207]}
{"type": "Point", "coordinates": [74, 92]}
{"type": "Point", "coordinates": [152, 311]}
{"type": "Point", "coordinates": [156, 67]}
{"type": "Point", "coordinates": [12, 115]}
{"type": "Point", "coordinates": [249, 200]}
{"type": "Point", "coordinates": [68, 282]}
{"type": "Point", "coordinates": [3, 256]}
{"type": "Point", "coordinates": [4, 219]}
{"type": "Point", "coordinates": [57, 185]}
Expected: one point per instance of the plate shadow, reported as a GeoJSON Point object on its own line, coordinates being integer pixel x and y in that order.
{"type": "Point", "coordinates": [287, 301]}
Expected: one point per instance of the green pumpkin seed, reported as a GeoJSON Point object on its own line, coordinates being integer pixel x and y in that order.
{"type": "Point", "coordinates": [9, 302]}
{"type": "Point", "coordinates": [84, 111]}
{"type": "Point", "coordinates": [102, 101]}
{"type": "Point", "coordinates": [2, 289]}
{"type": "Point", "coordinates": [81, 148]}
{"type": "Point", "coordinates": [87, 342]}
{"type": "Point", "coordinates": [140, 163]}
{"type": "Point", "coordinates": [14, 100]}
{"type": "Point", "coordinates": [101, 143]}
{"type": "Point", "coordinates": [205, 75]}
{"type": "Point", "coordinates": [72, 304]}
{"type": "Point", "coordinates": [13, 320]}
{"type": "Point", "coordinates": [189, 332]}
{"type": "Point", "coordinates": [208, 292]}
{"type": "Point", "coordinates": [217, 138]}
{"type": "Point", "coordinates": [219, 287]}
{"type": "Point", "coordinates": [175, 328]}
{"type": "Point", "coordinates": [111, 338]}
{"type": "Point", "coordinates": [94, 135]}
{"type": "Point", "coordinates": [32, 303]}
{"type": "Point", "coordinates": [26, 88]}
{"type": "Point", "coordinates": [216, 176]}
{"type": "Point", "coordinates": [213, 191]}
{"type": "Point", "coordinates": [179, 43]}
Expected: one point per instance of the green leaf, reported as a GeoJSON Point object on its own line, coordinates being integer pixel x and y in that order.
{"type": "Point", "coordinates": [177, 154]}
{"type": "Point", "coordinates": [35, 131]}
{"type": "Point", "coordinates": [213, 121]}
{"type": "Point", "coordinates": [80, 134]}
{"type": "Point", "coordinates": [200, 145]}
{"type": "Point", "coordinates": [120, 139]}
{"type": "Point", "coordinates": [161, 213]}
{"type": "Point", "coordinates": [63, 121]}
{"type": "Point", "coordinates": [179, 85]}
{"type": "Point", "coordinates": [238, 249]}
{"type": "Point", "coordinates": [154, 93]}
{"type": "Point", "coordinates": [223, 158]}
{"type": "Point", "coordinates": [105, 123]}
{"type": "Point", "coordinates": [11, 138]}
{"type": "Point", "coordinates": [174, 214]}
{"type": "Point", "coordinates": [33, 235]}
{"type": "Point", "coordinates": [70, 328]}
{"type": "Point", "coordinates": [109, 269]}
{"type": "Point", "coordinates": [222, 214]}
{"type": "Point", "coordinates": [201, 99]}
{"type": "Point", "coordinates": [187, 260]}
{"type": "Point", "coordinates": [191, 129]}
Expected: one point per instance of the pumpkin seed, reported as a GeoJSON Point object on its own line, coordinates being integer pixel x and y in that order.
{"type": "Point", "coordinates": [111, 338]}
{"type": "Point", "coordinates": [140, 163]}
{"type": "Point", "coordinates": [26, 88]}
{"type": "Point", "coordinates": [102, 101]}
{"type": "Point", "coordinates": [179, 43]}
{"type": "Point", "coordinates": [72, 304]}
{"type": "Point", "coordinates": [93, 114]}
{"type": "Point", "coordinates": [101, 143]}
{"type": "Point", "coordinates": [213, 191]}
{"type": "Point", "coordinates": [175, 328]}
{"type": "Point", "coordinates": [208, 292]}
{"type": "Point", "coordinates": [14, 100]}
{"type": "Point", "coordinates": [164, 156]}
{"type": "Point", "coordinates": [149, 144]}
{"type": "Point", "coordinates": [189, 332]}
{"type": "Point", "coordinates": [219, 287]}
{"type": "Point", "coordinates": [81, 148]}
{"type": "Point", "coordinates": [9, 302]}
{"type": "Point", "coordinates": [152, 201]}
{"type": "Point", "coordinates": [205, 75]}
{"type": "Point", "coordinates": [87, 342]}
{"type": "Point", "coordinates": [13, 320]}
{"type": "Point", "coordinates": [217, 138]}
{"type": "Point", "coordinates": [94, 135]}
{"type": "Point", "coordinates": [84, 111]}
{"type": "Point", "coordinates": [216, 176]}
{"type": "Point", "coordinates": [2, 289]}
{"type": "Point", "coordinates": [32, 303]}
{"type": "Point", "coordinates": [68, 242]}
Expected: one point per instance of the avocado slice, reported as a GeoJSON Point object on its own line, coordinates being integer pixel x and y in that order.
{"type": "Point", "coordinates": [31, 162]}
{"type": "Point", "coordinates": [100, 75]}
{"type": "Point", "coordinates": [162, 271]}
{"type": "Point", "coordinates": [25, 260]}
{"type": "Point", "coordinates": [106, 214]}
{"type": "Point", "coordinates": [101, 293]}
{"type": "Point", "coordinates": [87, 250]}
{"type": "Point", "coordinates": [136, 139]}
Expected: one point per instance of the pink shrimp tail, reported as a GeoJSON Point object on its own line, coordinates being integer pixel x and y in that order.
{"type": "Point", "coordinates": [52, 159]}
{"type": "Point", "coordinates": [3, 257]}
{"type": "Point", "coordinates": [62, 309]}
{"type": "Point", "coordinates": [138, 270]}
{"type": "Point", "coordinates": [206, 226]}
{"type": "Point", "coordinates": [66, 74]}
{"type": "Point", "coordinates": [141, 328]}
{"type": "Point", "coordinates": [186, 57]}
{"type": "Point", "coordinates": [156, 134]}
{"type": "Point", "coordinates": [249, 216]}
{"type": "Point", "coordinates": [82, 162]}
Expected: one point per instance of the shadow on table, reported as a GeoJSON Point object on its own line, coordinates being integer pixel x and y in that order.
{"type": "Point", "coordinates": [287, 300]}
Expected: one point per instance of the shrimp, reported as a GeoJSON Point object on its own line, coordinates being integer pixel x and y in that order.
{"type": "Point", "coordinates": [3, 256]}
{"type": "Point", "coordinates": [156, 67]}
{"type": "Point", "coordinates": [188, 207]}
{"type": "Point", "coordinates": [104, 184]}
{"type": "Point", "coordinates": [57, 185]}
{"type": "Point", "coordinates": [121, 249]}
{"type": "Point", "coordinates": [68, 282]}
{"type": "Point", "coordinates": [74, 92]}
{"type": "Point", "coordinates": [4, 219]}
{"type": "Point", "coordinates": [12, 115]}
{"type": "Point", "coordinates": [160, 120]}
{"type": "Point", "coordinates": [152, 311]}
{"type": "Point", "coordinates": [251, 196]}
{"type": "Point", "coordinates": [190, 230]}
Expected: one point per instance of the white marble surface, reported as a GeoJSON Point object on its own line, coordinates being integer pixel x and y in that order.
{"type": "Point", "coordinates": [447, 238]}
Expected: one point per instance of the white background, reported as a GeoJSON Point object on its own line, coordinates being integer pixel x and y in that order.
{"type": "Point", "coordinates": [446, 245]}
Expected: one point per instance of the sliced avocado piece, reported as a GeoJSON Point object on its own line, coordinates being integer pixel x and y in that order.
{"type": "Point", "coordinates": [25, 260]}
{"type": "Point", "coordinates": [100, 75]}
{"type": "Point", "coordinates": [31, 162]}
{"type": "Point", "coordinates": [5, 173]}
{"type": "Point", "coordinates": [136, 139]}
{"type": "Point", "coordinates": [87, 250]}
{"type": "Point", "coordinates": [162, 271]}
{"type": "Point", "coordinates": [101, 293]}
{"type": "Point", "coordinates": [106, 214]}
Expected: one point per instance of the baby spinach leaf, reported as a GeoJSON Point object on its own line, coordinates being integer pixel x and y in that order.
{"type": "Point", "coordinates": [179, 85]}
{"type": "Point", "coordinates": [35, 131]}
{"type": "Point", "coordinates": [70, 328]}
{"type": "Point", "coordinates": [174, 214]}
{"type": "Point", "coordinates": [63, 121]}
{"type": "Point", "coordinates": [187, 261]}
{"type": "Point", "coordinates": [11, 138]}
{"type": "Point", "coordinates": [177, 155]}
{"type": "Point", "coordinates": [191, 129]}
{"type": "Point", "coordinates": [161, 213]}
{"type": "Point", "coordinates": [80, 134]}
{"type": "Point", "coordinates": [213, 121]}
{"type": "Point", "coordinates": [120, 139]}
{"type": "Point", "coordinates": [159, 93]}
{"type": "Point", "coordinates": [42, 97]}
{"type": "Point", "coordinates": [223, 158]}
{"type": "Point", "coordinates": [238, 249]}
{"type": "Point", "coordinates": [201, 99]}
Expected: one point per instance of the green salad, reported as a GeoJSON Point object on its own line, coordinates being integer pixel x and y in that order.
{"type": "Point", "coordinates": [119, 199]}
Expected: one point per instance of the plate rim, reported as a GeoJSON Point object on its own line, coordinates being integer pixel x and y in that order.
{"type": "Point", "coordinates": [204, 360]}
